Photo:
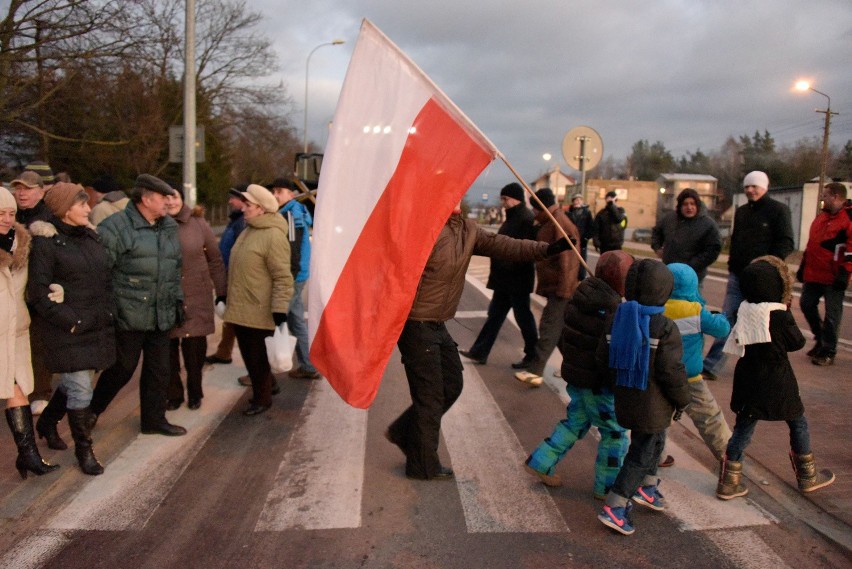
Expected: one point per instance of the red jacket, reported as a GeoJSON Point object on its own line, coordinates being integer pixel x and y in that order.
{"type": "Point", "coordinates": [829, 247]}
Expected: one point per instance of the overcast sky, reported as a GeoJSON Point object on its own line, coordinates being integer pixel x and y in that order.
{"type": "Point", "coordinates": [688, 73]}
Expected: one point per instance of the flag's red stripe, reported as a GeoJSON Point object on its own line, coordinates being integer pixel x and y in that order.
{"type": "Point", "coordinates": [362, 320]}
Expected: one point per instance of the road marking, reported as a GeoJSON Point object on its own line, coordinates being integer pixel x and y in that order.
{"type": "Point", "coordinates": [133, 485]}
{"type": "Point", "coordinates": [746, 550]}
{"type": "Point", "coordinates": [320, 480]}
{"type": "Point", "coordinates": [35, 550]}
{"type": "Point", "coordinates": [487, 457]}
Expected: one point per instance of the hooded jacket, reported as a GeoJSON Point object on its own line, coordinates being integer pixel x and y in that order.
{"type": "Point", "coordinates": [765, 385]}
{"type": "Point", "coordinates": [686, 309]}
{"type": "Point", "coordinates": [650, 283]}
{"type": "Point", "coordinates": [514, 277]}
{"type": "Point", "coordinates": [694, 241]}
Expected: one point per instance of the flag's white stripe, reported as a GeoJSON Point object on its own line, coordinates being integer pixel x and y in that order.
{"type": "Point", "coordinates": [320, 481]}
{"type": "Point", "coordinates": [496, 494]}
{"type": "Point", "coordinates": [747, 550]}
{"type": "Point", "coordinates": [127, 494]}
{"type": "Point", "coordinates": [35, 550]}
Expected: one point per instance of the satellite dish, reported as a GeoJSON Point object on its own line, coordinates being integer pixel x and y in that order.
{"type": "Point", "coordinates": [582, 148]}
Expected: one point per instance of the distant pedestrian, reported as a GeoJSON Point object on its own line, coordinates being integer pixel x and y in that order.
{"type": "Point", "coordinates": [511, 281]}
{"type": "Point", "coordinates": [688, 235]}
{"type": "Point", "coordinates": [765, 386]}
{"type": "Point", "coordinates": [610, 223]}
{"type": "Point", "coordinates": [825, 270]}
{"type": "Point", "coordinates": [580, 216]}
{"type": "Point", "coordinates": [762, 226]}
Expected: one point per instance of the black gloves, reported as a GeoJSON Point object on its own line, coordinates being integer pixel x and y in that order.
{"type": "Point", "coordinates": [557, 247]}
{"type": "Point", "coordinates": [841, 279]}
{"type": "Point", "coordinates": [223, 299]}
{"type": "Point", "coordinates": [180, 313]}
{"type": "Point", "coordinates": [279, 318]}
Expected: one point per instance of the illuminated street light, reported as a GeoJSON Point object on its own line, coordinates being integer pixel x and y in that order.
{"type": "Point", "coordinates": [804, 85]}
{"type": "Point", "coordinates": [307, 67]}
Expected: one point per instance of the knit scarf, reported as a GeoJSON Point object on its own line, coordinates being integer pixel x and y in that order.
{"type": "Point", "coordinates": [630, 344]}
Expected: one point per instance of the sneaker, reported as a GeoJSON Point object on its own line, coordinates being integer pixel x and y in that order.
{"type": "Point", "coordinates": [299, 373]}
{"type": "Point", "coordinates": [709, 375]}
{"type": "Point", "coordinates": [650, 497]}
{"type": "Point", "coordinates": [38, 406]}
{"type": "Point", "coordinates": [617, 519]}
{"type": "Point", "coordinates": [547, 479]}
{"type": "Point", "coordinates": [471, 356]}
{"type": "Point", "coordinates": [529, 378]}
{"type": "Point", "coordinates": [823, 360]}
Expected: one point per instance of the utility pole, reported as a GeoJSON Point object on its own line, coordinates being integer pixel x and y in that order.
{"type": "Point", "coordinates": [189, 190]}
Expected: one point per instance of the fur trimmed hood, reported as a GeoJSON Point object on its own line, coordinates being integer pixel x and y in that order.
{"type": "Point", "coordinates": [20, 256]}
{"type": "Point", "coordinates": [767, 279]}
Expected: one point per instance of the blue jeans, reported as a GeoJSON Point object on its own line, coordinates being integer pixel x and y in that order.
{"type": "Point", "coordinates": [498, 308]}
{"type": "Point", "coordinates": [715, 359]}
{"type": "Point", "coordinates": [77, 386]}
{"type": "Point", "coordinates": [299, 328]}
{"type": "Point", "coordinates": [824, 329]}
{"type": "Point", "coordinates": [800, 438]}
{"type": "Point", "coordinates": [640, 467]}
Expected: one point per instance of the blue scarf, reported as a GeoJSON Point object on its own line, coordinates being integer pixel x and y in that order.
{"type": "Point", "coordinates": [630, 345]}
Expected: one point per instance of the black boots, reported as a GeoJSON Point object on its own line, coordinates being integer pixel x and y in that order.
{"type": "Point", "coordinates": [80, 420]}
{"type": "Point", "coordinates": [50, 417]}
{"type": "Point", "coordinates": [20, 421]}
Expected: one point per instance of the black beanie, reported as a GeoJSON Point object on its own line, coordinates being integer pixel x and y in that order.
{"type": "Point", "coordinates": [546, 196]}
{"type": "Point", "coordinates": [513, 190]}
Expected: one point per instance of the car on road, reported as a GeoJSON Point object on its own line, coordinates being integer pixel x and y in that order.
{"type": "Point", "coordinates": [641, 235]}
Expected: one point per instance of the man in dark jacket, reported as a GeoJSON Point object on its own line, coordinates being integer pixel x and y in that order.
{"type": "Point", "coordinates": [610, 223]}
{"type": "Point", "coordinates": [580, 216]}
{"type": "Point", "coordinates": [825, 270]}
{"type": "Point", "coordinates": [145, 254]}
{"type": "Point", "coordinates": [511, 281]}
{"type": "Point", "coordinates": [429, 354]}
{"type": "Point", "coordinates": [762, 226]}
{"type": "Point", "coordinates": [688, 235]}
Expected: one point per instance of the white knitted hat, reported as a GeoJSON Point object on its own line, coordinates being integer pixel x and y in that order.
{"type": "Point", "coordinates": [756, 178]}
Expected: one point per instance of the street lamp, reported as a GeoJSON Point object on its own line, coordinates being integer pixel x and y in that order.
{"type": "Point", "coordinates": [307, 67]}
{"type": "Point", "coordinates": [804, 85]}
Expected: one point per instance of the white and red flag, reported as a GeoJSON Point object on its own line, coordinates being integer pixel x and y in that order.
{"type": "Point", "coordinates": [399, 158]}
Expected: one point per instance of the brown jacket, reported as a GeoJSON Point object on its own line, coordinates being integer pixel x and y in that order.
{"type": "Point", "coordinates": [557, 276]}
{"type": "Point", "coordinates": [442, 282]}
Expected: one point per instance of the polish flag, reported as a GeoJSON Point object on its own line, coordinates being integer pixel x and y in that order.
{"type": "Point", "coordinates": [400, 157]}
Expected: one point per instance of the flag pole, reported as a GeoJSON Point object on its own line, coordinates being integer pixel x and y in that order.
{"type": "Point", "coordinates": [547, 211]}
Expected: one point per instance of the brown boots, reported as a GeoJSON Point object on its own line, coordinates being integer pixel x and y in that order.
{"type": "Point", "coordinates": [729, 480]}
{"type": "Point", "coordinates": [806, 473]}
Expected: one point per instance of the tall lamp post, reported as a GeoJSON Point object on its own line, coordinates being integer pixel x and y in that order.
{"type": "Point", "coordinates": [806, 86]}
{"type": "Point", "coordinates": [307, 67]}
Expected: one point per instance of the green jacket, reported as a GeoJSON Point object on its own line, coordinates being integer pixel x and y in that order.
{"type": "Point", "coordinates": [259, 277]}
{"type": "Point", "coordinates": [146, 269]}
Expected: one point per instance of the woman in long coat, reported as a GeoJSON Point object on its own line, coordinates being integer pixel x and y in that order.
{"type": "Point", "coordinates": [80, 331]}
{"type": "Point", "coordinates": [203, 270]}
{"type": "Point", "coordinates": [16, 372]}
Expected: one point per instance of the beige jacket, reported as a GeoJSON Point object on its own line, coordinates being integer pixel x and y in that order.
{"type": "Point", "coordinates": [15, 363]}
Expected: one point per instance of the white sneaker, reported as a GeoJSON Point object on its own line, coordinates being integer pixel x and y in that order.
{"type": "Point", "coordinates": [38, 406]}
{"type": "Point", "coordinates": [529, 378]}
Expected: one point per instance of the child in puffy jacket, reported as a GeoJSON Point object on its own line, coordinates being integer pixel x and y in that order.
{"type": "Point", "coordinates": [644, 352]}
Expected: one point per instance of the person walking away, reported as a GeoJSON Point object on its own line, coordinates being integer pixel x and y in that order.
{"type": "Point", "coordinates": [16, 372]}
{"type": "Point", "coordinates": [591, 401]}
{"type": "Point", "coordinates": [67, 251]}
{"type": "Point", "coordinates": [765, 386]}
{"type": "Point", "coordinates": [260, 287]}
{"type": "Point", "coordinates": [557, 281]}
{"type": "Point", "coordinates": [610, 223]}
{"type": "Point", "coordinates": [145, 264]}
{"type": "Point", "coordinates": [824, 272]}
{"type": "Point", "coordinates": [762, 226]}
{"type": "Point", "coordinates": [203, 271]}
{"type": "Point", "coordinates": [644, 351]}
{"type": "Point", "coordinates": [299, 223]}
{"type": "Point", "coordinates": [686, 309]}
{"type": "Point", "coordinates": [580, 216]}
{"type": "Point", "coordinates": [236, 224]}
{"type": "Point", "coordinates": [512, 282]}
{"type": "Point", "coordinates": [429, 354]}
{"type": "Point", "coordinates": [688, 235]}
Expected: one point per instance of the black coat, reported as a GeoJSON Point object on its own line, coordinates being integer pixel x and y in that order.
{"type": "Point", "coordinates": [587, 317]}
{"type": "Point", "coordinates": [79, 331]}
{"type": "Point", "coordinates": [510, 276]}
{"type": "Point", "coordinates": [610, 223]}
{"type": "Point", "coordinates": [694, 241]}
{"type": "Point", "coordinates": [761, 228]}
{"type": "Point", "coordinates": [582, 218]}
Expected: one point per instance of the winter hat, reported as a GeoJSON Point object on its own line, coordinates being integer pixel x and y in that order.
{"type": "Point", "coordinates": [685, 283]}
{"type": "Point", "coordinates": [612, 269]}
{"type": "Point", "coordinates": [576, 196]}
{"type": "Point", "coordinates": [756, 178]}
{"type": "Point", "coordinates": [29, 179]}
{"type": "Point", "coordinates": [42, 169]}
{"type": "Point", "coordinates": [767, 279]}
{"type": "Point", "coordinates": [514, 191]}
{"type": "Point", "coordinates": [62, 196]}
{"type": "Point", "coordinates": [688, 193]}
{"type": "Point", "coordinates": [546, 196]}
{"type": "Point", "coordinates": [7, 200]}
{"type": "Point", "coordinates": [105, 184]}
{"type": "Point", "coordinates": [611, 194]}
{"type": "Point", "coordinates": [154, 184]}
{"type": "Point", "coordinates": [261, 196]}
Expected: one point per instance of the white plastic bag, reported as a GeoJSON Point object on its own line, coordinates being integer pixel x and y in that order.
{"type": "Point", "coordinates": [219, 309]}
{"type": "Point", "coordinates": [279, 349]}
